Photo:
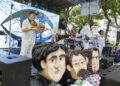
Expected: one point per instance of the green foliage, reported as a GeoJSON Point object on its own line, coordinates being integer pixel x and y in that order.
{"type": "Point", "coordinates": [97, 24]}
{"type": "Point", "coordinates": [79, 21]}
{"type": "Point", "coordinates": [75, 19]}
{"type": "Point", "coordinates": [111, 10]}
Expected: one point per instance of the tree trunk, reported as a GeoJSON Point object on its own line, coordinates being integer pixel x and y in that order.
{"type": "Point", "coordinates": [66, 14]}
{"type": "Point", "coordinates": [108, 27]}
{"type": "Point", "coordinates": [117, 36]}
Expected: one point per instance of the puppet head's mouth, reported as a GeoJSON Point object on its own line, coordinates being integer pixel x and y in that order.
{"type": "Point", "coordinates": [57, 71]}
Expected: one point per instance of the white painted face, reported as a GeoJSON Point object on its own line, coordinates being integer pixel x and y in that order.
{"type": "Point", "coordinates": [95, 61]}
{"type": "Point", "coordinates": [55, 66]}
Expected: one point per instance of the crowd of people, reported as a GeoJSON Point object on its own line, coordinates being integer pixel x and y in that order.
{"type": "Point", "coordinates": [88, 39]}
{"type": "Point", "coordinates": [86, 36]}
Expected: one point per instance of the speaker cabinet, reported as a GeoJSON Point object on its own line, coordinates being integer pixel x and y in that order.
{"type": "Point", "coordinates": [110, 76]}
{"type": "Point", "coordinates": [15, 70]}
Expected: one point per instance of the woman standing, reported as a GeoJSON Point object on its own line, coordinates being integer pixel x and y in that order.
{"type": "Point", "coordinates": [101, 41]}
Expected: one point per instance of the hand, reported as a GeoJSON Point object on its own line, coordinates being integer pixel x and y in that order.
{"type": "Point", "coordinates": [95, 37]}
{"type": "Point", "coordinates": [34, 29]}
{"type": "Point", "coordinates": [57, 33]}
{"type": "Point", "coordinates": [97, 44]}
{"type": "Point", "coordinates": [86, 37]}
{"type": "Point", "coordinates": [47, 29]}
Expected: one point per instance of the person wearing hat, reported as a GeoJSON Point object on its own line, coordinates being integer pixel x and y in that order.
{"type": "Point", "coordinates": [29, 34]}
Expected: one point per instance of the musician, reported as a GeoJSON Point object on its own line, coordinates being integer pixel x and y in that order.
{"type": "Point", "coordinates": [86, 33]}
{"type": "Point", "coordinates": [62, 30]}
{"type": "Point", "coordinates": [29, 33]}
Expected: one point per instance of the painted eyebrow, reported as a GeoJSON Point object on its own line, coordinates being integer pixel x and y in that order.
{"type": "Point", "coordinates": [53, 57]}
{"type": "Point", "coordinates": [62, 55]}
{"type": "Point", "coordinates": [80, 60]}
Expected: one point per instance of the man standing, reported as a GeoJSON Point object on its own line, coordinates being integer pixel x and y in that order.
{"type": "Point", "coordinates": [28, 37]}
{"type": "Point", "coordinates": [86, 32]}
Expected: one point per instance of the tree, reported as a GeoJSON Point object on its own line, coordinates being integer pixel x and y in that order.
{"type": "Point", "coordinates": [79, 21]}
{"type": "Point", "coordinates": [75, 19]}
{"type": "Point", "coordinates": [111, 11]}
{"type": "Point", "coordinates": [65, 13]}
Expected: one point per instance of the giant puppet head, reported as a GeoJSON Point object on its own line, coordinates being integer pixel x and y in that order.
{"type": "Point", "coordinates": [76, 61]}
{"type": "Point", "coordinates": [93, 59]}
{"type": "Point", "coordinates": [49, 59]}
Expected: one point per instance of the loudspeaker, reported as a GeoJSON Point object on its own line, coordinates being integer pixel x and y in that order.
{"type": "Point", "coordinates": [110, 76]}
{"type": "Point", "coordinates": [106, 63]}
{"type": "Point", "coordinates": [15, 70]}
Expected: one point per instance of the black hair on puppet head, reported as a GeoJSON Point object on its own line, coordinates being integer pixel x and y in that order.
{"type": "Point", "coordinates": [69, 56]}
{"type": "Point", "coordinates": [88, 54]}
{"type": "Point", "coordinates": [41, 50]}
{"type": "Point", "coordinates": [96, 49]}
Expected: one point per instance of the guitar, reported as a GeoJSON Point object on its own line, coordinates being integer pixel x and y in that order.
{"type": "Point", "coordinates": [73, 33]}
{"type": "Point", "coordinates": [87, 38]}
{"type": "Point", "coordinates": [60, 37]}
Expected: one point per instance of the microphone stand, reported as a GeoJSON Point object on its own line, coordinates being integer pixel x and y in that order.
{"type": "Point", "coordinates": [40, 29]}
{"type": "Point", "coordinates": [10, 28]}
{"type": "Point", "coordinates": [40, 33]}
